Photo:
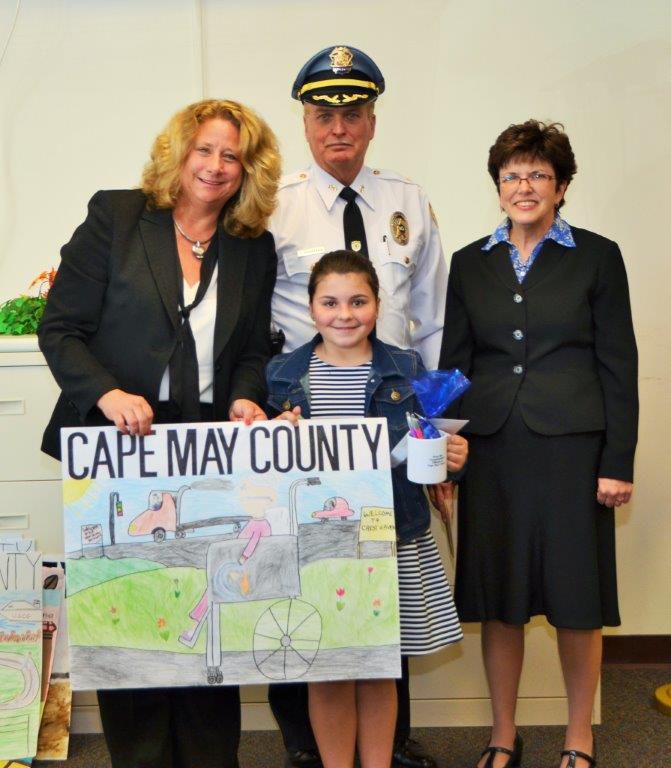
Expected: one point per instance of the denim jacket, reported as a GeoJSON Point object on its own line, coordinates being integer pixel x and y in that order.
{"type": "Point", "coordinates": [388, 394]}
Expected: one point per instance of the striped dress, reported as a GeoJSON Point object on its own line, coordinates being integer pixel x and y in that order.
{"type": "Point", "coordinates": [428, 616]}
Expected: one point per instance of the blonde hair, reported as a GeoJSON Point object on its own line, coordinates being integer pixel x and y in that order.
{"type": "Point", "coordinates": [247, 213]}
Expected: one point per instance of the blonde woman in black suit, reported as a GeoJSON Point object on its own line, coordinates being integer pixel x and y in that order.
{"type": "Point", "coordinates": [538, 316]}
{"type": "Point", "coordinates": [160, 312]}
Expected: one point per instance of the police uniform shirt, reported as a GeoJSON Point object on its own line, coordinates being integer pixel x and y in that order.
{"type": "Point", "coordinates": [403, 244]}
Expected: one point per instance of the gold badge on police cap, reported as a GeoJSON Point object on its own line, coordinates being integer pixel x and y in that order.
{"type": "Point", "coordinates": [400, 230]}
{"type": "Point", "coordinates": [341, 59]}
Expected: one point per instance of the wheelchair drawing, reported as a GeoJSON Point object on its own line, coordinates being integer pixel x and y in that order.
{"type": "Point", "coordinates": [288, 633]}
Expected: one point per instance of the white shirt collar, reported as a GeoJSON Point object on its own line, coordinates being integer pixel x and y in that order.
{"type": "Point", "coordinates": [329, 188]}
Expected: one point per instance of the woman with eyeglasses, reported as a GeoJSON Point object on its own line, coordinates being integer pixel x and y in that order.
{"type": "Point", "coordinates": [538, 317]}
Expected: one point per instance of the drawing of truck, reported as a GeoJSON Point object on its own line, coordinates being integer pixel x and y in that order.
{"type": "Point", "coordinates": [163, 513]}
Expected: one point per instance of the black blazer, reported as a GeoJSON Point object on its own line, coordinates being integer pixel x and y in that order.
{"type": "Point", "coordinates": [562, 342]}
{"type": "Point", "coordinates": [112, 313]}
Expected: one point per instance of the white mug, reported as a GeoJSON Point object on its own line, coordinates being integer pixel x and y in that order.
{"type": "Point", "coordinates": [427, 459]}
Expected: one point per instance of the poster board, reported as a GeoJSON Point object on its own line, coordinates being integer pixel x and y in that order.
{"type": "Point", "coordinates": [20, 649]}
{"type": "Point", "coordinates": [209, 554]}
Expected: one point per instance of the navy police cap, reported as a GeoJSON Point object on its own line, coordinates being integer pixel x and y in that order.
{"type": "Point", "coordinates": [337, 77]}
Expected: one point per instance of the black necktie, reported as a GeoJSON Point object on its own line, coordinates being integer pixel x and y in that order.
{"type": "Point", "coordinates": [183, 366]}
{"type": "Point", "coordinates": [352, 220]}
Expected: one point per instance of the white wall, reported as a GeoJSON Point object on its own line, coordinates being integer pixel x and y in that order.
{"type": "Point", "coordinates": [86, 84]}
{"type": "Point", "coordinates": [84, 87]}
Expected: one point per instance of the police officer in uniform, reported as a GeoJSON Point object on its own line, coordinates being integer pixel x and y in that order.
{"type": "Point", "coordinates": [340, 202]}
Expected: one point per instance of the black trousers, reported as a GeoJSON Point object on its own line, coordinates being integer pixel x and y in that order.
{"type": "Point", "coordinates": [172, 727]}
{"type": "Point", "coordinates": [189, 727]}
{"type": "Point", "coordinates": [289, 703]}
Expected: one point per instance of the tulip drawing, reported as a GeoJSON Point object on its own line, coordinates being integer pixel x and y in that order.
{"type": "Point", "coordinates": [161, 624]}
{"type": "Point", "coordinates": [377, 605]}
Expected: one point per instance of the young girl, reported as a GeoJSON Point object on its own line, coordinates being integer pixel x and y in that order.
{"type": "Point", "coordinates": [346, 371]}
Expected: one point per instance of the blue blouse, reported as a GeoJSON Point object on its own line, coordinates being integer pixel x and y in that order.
{"type": "Point", "coordinates": [560, 232]}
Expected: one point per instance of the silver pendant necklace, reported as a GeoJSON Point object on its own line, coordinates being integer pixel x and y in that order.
{"type": "Point", "coordinates": [196, 245]}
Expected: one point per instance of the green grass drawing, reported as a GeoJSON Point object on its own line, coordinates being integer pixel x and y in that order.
{"type": "Point", "coordinates": [85, 572]}
{"type": "Point", "coordinates": [136, 610]}
{"type": "Point", "coordinates": [142, 609]}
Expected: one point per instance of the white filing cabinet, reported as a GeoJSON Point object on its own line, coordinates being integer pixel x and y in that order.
{"type": "Point", "coordinates": [30, 494]}
{"type": "Point", "coordinates": [448, 688]}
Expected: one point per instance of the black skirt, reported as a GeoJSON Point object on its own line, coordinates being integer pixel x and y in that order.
{"type": "Point", "coordinates": [532, 537]}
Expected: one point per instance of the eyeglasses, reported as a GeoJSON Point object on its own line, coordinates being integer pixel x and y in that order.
{"type": "Point", "coordinates": [535, 179]}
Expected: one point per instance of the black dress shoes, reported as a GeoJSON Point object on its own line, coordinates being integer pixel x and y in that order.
{"type": "Point", "coordinates": [574, 754]}
{"type": "Point", "coordinates": [303, 758]}
{"type": "Point", "coordinates": [514, 754]}
{"type": "Point", "coordinates": [409, 754]}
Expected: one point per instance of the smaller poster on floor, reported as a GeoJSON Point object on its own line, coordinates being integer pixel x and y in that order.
{"type": "Point", "coordinates": [20, 649]}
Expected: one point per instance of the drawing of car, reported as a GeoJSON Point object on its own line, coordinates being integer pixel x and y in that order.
{"type": "Point", "coordinates": [335, 508]}
{"type": "Point", "coordinates": [163, 513]}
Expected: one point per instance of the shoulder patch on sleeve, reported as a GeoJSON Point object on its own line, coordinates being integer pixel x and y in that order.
{"type": "Point", "coordinates": [384, 173]}
{"type": "Point", "coordinates": [291, 179]}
